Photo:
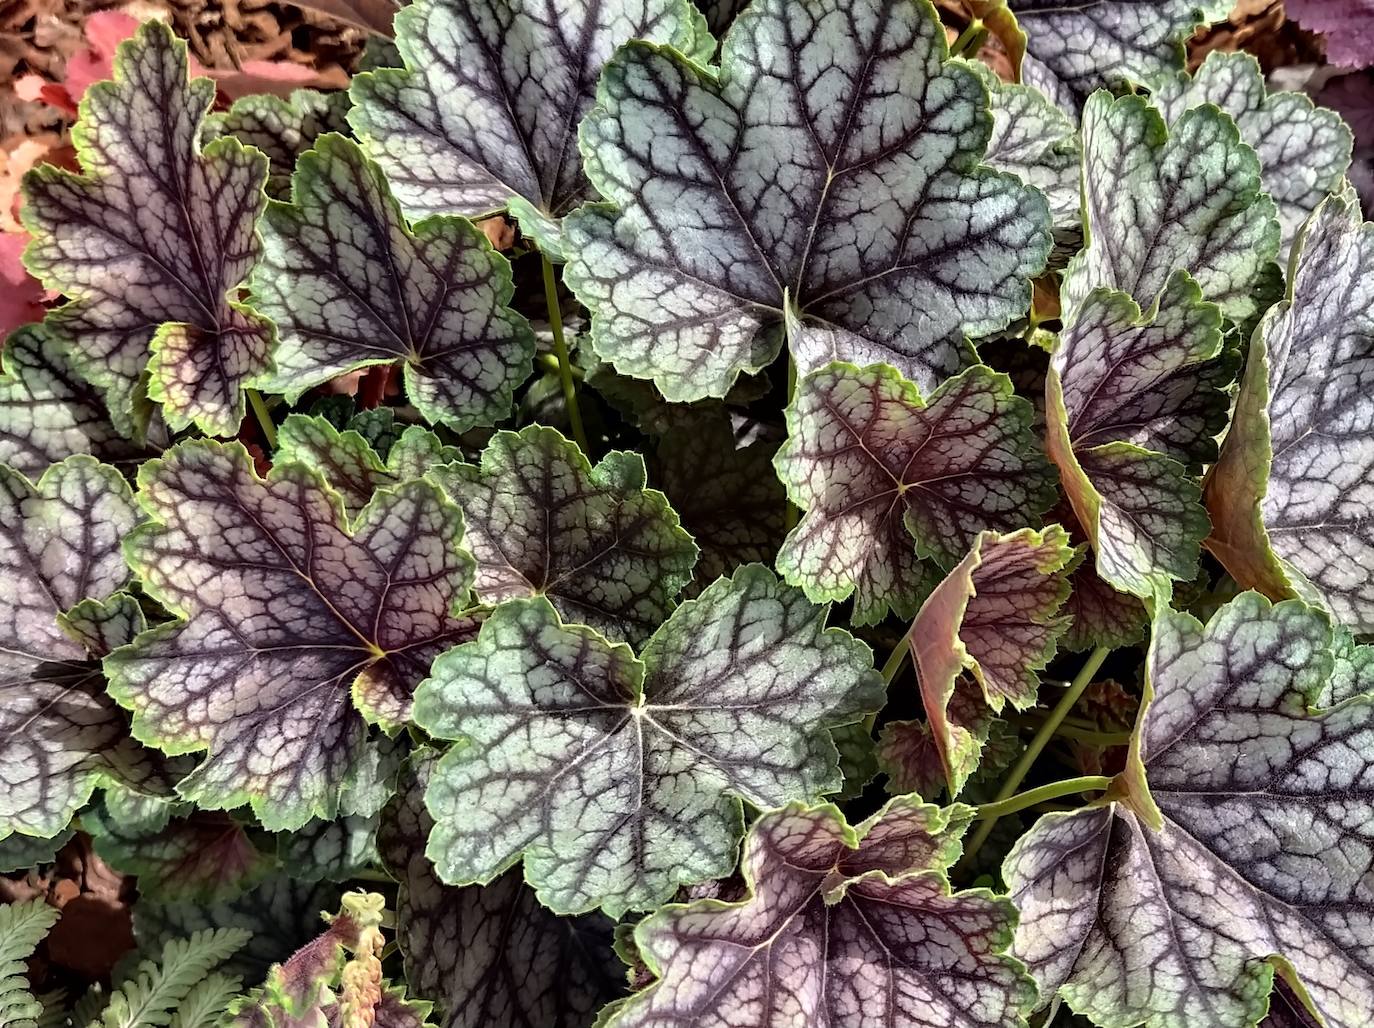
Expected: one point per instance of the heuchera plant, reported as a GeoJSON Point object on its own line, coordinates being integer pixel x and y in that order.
{"type": "Point", "coordinates": [489, 487]}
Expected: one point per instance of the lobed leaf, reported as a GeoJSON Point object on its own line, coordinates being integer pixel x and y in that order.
{"type": "Point", "coordinates": [886, 479]}
{"type": "Point", "coordinates": [1238, 841]}
{"type": "Point", "coordinates": [1290, 496]}
{"type": "Point", "coordinates": [840, 925]}
{"type": "Point", "coordinates": [61, 736]}
{"type": "Point", "coordinates": [282, 128]}
{"type": "Point", "coordinates": [618, 778]}
{"type": "Point", "coordinates": [297, 629]}
{"type": "Point", "coordinates": [484, 114]}
{"type": "Point", "coordinates": [151, 244]}
{"type": "Point", "coordinates": [824, 185]}
{"type": "Point", "coordinates": [350, 285]}
{"type": "Point", "coordinates": [543, 521]}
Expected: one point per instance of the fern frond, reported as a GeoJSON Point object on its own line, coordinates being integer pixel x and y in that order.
{"type": "Point", "coordinates": [22, 927]}
{"type": "Point", "coordinates": [148, 999]}
{"type": "Point", "coordinates": [89, 1006]}
{"type": "Point", "coordinates": [54, 1009]}
{"type": "Point", "coordinates": [206, 1002]}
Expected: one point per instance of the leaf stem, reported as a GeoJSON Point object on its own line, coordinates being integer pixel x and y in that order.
{"type": "Point", "coordinates": [263, 416]}
{"type": "Point", "coordinates": [550, 363]}
{"type": "Point", "coordinates": [560, 348]}
{"type": "Point", "coordinates": [897, 658]}
{"type": "Point", "coordinates": [971, 40]}
{"type": "Point", "coordinates": [1037, 744]}
{"type": "Point", "coordinates": [1040, 794]}
{"type": "Point", "coordinates": [792, 513]}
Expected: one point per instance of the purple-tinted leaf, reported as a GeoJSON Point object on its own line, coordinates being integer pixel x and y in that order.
{"type": "Point", "coordinates": [843, 926]}
{"type": "Point", "coordinates": [825, 185]}
{"type": "Point", "coordinates": [1131, 399]}
{"type": "Point", "coordinates": [297, 631]}
{"type": "Point", "coordinates": [1291, 495]}
{"type": "Point", "coordinates": [618, 778]}
{"type": "Point", "coordinates": [61, 568]}
{"type": "Point", "coordinates": [489, 955]}
{"type": "Point", "coordinates": [995, 616]}
{"type": "Point", "coordinates": [1161, 200]}
{"type": "Point", "coordinates": [1240, 836]}
{"type": "Point", "coordinates": [1346, 25]}
{"type": "Point", "coordinates": [350, 285]}
{"type": "Point", "coordinates": [886, 479]}
{"type": "Point", "coordinates": [1076, 46]}
{"type": "Point", "coordinates": [543, 521]}
{"type": "Point", "coordinates": [485, 113]}
{"type": "Point", "coordinates": [152, 242]}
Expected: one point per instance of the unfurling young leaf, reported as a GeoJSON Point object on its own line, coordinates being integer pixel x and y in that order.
{"type": "Point", "coordinates": [842, 926]}
{"type": "Point", "coordinates": [489, 955]}
{"type": "Point", "coordinates": [484, 115]}
{"type": "Point", "coordinates": [1133, 399]}
{"type": "Point", "coordinates": [995, 616]}
{"type": "Point", "coordinates": [824, 185]}
{"type": "Point", "coordinates": [542, 521]}
{"type": "Point", "coordinates": [1303, 150]}
{"type": "Point", "coordinates": [350, 285]}
{"type": "Point", "coordinates": [886, 479]}
{"type": "Point", "coordinates": [1240, 839]}
{"type": "Point", "coordinates": [618, 778]}
{"type": "Point", "coordinates": [60, 573]}
{"type": "Point", "coordinates": [1291, 494]}
{"type": "Point", "coordinates": [1158, 200]}
{"type": "Point", "coordinates": [297, 630]}
{"type": "Point", "coordinates": [1075, 48]}
{"type": "Point", "coordinates": [151, 244]}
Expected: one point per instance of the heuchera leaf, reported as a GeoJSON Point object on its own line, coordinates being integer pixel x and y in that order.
{"type": "Point", "coordinates": [334, 851]}
{"type": "Point", "coordinates": [1291, 493]}
{"type": "Point", "coordinates": [619, 778]}
{"type": "Point", "coordinates": [724, 490]}
{"type": "Point", "coordinates": [152, 242]}
{"type": "Point", "coordinates": [995, 617]}
{"type": "Point", "coordinates": [543, 521]}
{"type": "Point", "coordinates": [48, 410]}
{"type": "Point", "coordinates": [297, 631]}
{"type": "Point", "coordinates": [489, 955]}
{"type": "Point", "coordinates": [886, 479]}
{"type": "Point", "coordinates": [824, 185]}
{"type": "Point", "coordinates": [842, 926]}
{"type": "Point", "coordinates": [283, 129]}
{"type": "Point", "coordinates": [1076, 47]}
{"type": "Point", "coordinates": [484, 115]}
{"type": "Point", "coordinates": [1346, 27]}
{"type": "Point", "coordinates": [349, 285]}
{"type": "Point", "coordinates": [61, 570]}
{"type": "Point", "coordinates": [1157, 200]}
{"type": "Point", "coordinates": [1242, 840]}
{"type": "Point", "coordinates": [1303, 150]}
{"type": "Point", "coordinates": [1132, 399]}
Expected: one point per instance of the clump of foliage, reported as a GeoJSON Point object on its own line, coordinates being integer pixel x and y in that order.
{"type": "Point", "coordinates": [536, 590]}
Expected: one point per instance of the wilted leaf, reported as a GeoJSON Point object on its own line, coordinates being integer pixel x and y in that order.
{"type": "Point", "coordinates": [842, 926]}
{"type": "Point", "coordinates": [617, 778]}
{"type": "Point", "coordinates": [484, 115]}
{"type": "Point", "coordinates": [1242, 838]}
{"type": "Point", "coordinates": [825, 186]}
{"type": "Point", "coordinates": [542, 521]}
{"type": "Point", "coordinates": [490, 955]}
{"type": "Point", "coordinates": [1291, 495]}
{"type": "Point", "coordinates": [152, 242]}
{"type": "Point", "coordinates": [61, 569]}
{"type": "Point", "coordinates": [995, 616]}
{"type": "Point", "coordinates": [886, 479]}
{"type": "Point", "coordinates": [349, 286]}
{"type": "Point", "coordinates": [296, 631]}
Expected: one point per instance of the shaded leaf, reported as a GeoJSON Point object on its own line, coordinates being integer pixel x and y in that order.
{"type": "Point", "coordinates": [350, 285]}
{"type": "Point", "coordinates": [282, 128]}
{"type": "Point", "coordinates": [886, 478]}
{"type": "Point", "coordinates": [825, 185]}
{"type": "Point", "coordinates": [296, 630]}
{"type": "Point", "coordinates": [617, 778]}
{"type": "Point", "coordinates": [1240, 836]}
{"type": "Point", "coordinates": [151, 244]}
{"type": "Point", "coordinates": [484, 115]}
